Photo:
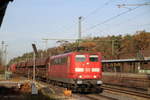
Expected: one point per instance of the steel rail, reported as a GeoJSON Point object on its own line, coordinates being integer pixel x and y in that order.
{"type": "Point", "coordinates": [97, 97]}
{"type": "Point", "coordinates": [126, 91]}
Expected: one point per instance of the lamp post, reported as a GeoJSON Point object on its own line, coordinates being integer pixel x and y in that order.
{"type": "Point", "coordinates": [34, 89]}
{"type": "Point", "coordinates": [5, 60]}
{"type": "Point", "coordinates": [80, 28]}
{"type": "Point", "coordinates": [34, 66]}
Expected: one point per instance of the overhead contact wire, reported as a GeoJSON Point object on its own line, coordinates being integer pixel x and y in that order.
{"type": "Point", "coordinates": [110, 19]}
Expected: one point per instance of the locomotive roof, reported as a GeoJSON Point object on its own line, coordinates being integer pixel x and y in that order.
{"type": "Point", "coordinates": [66, 54]}
{"type": "Point", "coordinates": [126, 60]}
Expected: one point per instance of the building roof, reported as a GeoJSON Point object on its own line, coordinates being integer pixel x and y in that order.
{"type": "Point", "coordinates": [3, 6]}
{"type": "Point", "coordinates": [146, 59]}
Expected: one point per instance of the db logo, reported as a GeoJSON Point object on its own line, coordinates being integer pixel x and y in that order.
{"type": "Point", "coordinates": [87, 76]}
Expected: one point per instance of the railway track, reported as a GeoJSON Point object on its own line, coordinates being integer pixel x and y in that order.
{"type": "Point", "coordinates": [77, 96]}
{"type": "Point", "coordinates": [126, 91]}
{"type": "Point", "coordinates": [99, 97]}
{"type": "Point", "coordinates": [59, 91]}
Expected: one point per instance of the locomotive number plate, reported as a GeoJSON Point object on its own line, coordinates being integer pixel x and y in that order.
{"type": "Point", "coordinates": [87, 69]}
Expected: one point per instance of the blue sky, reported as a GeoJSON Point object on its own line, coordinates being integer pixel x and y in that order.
{"type": "Point", "coordinates": [31, 20]}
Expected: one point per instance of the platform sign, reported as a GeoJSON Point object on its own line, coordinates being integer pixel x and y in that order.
{"type": "Point", "coordinates": [34, 89]}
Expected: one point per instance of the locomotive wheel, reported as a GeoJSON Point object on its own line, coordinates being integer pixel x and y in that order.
{"type": "Point", "coordinates": [98, 90]}
{"type": "Point", "coordinates": [86, 90]}
{"type": "Point", "coordinates": [74, 91]}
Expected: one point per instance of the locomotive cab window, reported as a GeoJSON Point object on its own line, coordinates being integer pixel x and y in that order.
{"type": "Point", "coordinates": [80, 58]}
{"type": "Point", "coordinates": [93, 58]}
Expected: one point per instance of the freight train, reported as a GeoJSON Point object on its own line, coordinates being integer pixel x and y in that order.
{"type": "Point", "coordinates": [75, 70]}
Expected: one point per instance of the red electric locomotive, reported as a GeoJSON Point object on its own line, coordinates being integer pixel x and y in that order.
{"type": "Point", "coordinates": [76, 70]}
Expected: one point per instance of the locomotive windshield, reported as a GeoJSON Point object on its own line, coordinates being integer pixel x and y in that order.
{"type": "Point", "coordinates": [80, 58]}
{"type": "Point", "coordinates": [93, 58]}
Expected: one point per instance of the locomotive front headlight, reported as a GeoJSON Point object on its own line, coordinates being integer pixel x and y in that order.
{"type": "Point", "coordinates": [95, 76]}
{"type": "Point", "coordinates": [95, 69]}
{"type": "Point", "coordinates": [79, 69]}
